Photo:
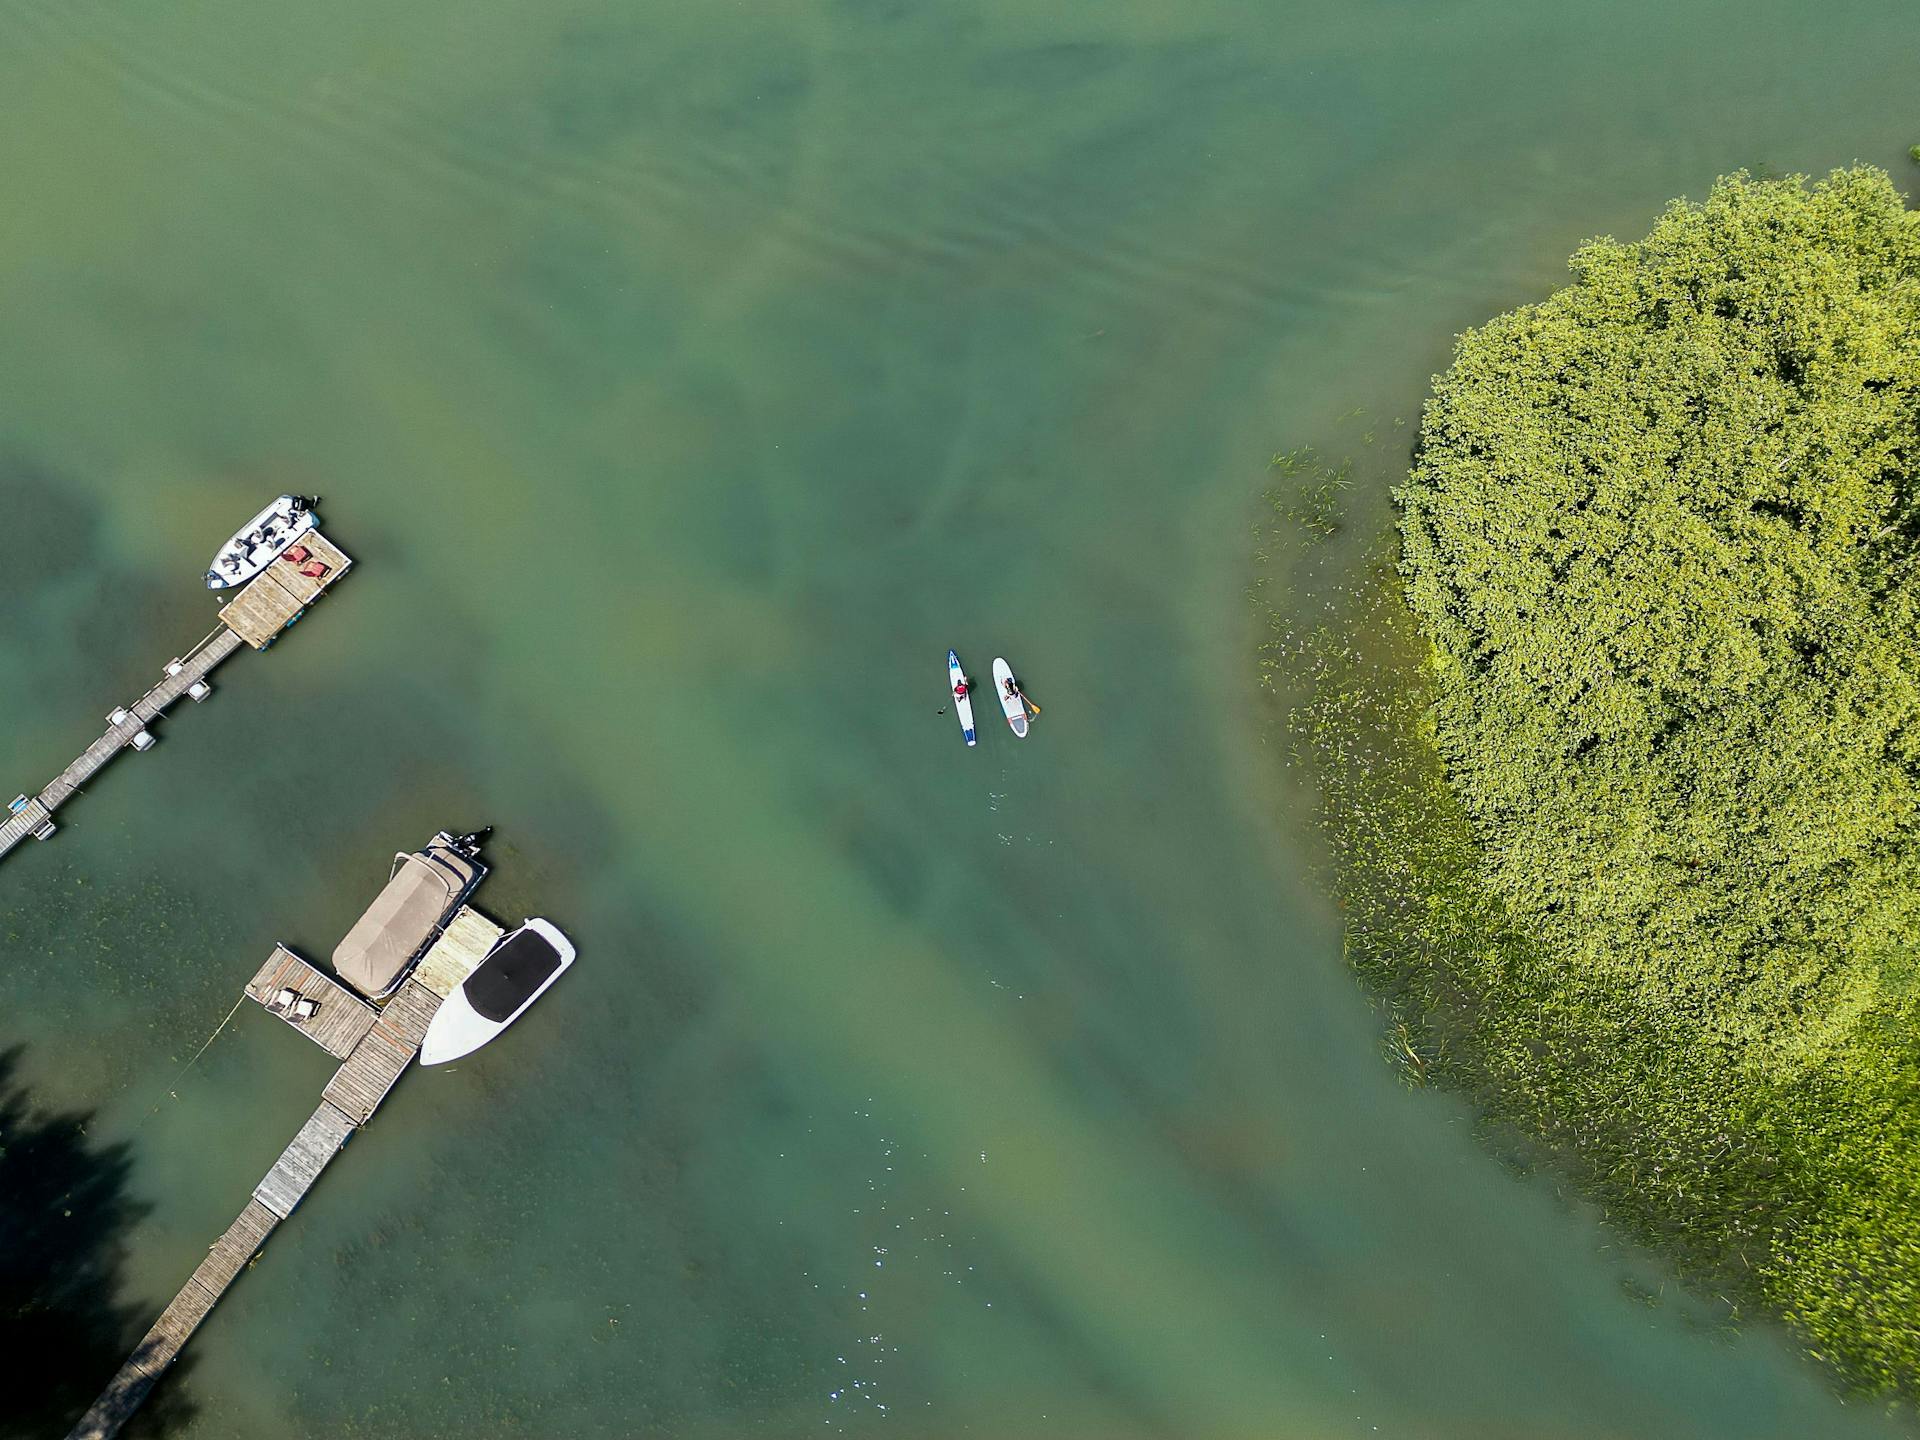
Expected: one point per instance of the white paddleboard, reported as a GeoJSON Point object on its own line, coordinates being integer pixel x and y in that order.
{"type": "Point", "coordinates": [1014, 705]}
{"type": "Point", "coordinates": [962, 704]}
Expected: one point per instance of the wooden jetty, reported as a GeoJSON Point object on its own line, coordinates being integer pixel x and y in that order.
{"type": "Point", "coordinates": [334, 1018]}
{"type": "Point", "coordinates": [380, 1049]}
{"type": "Point", "coordinates": [256, 615]}
{"type": "Point", "coordinates": [274, 599]}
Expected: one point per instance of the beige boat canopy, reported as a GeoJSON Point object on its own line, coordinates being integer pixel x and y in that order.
{"type": "Point", "coordinates": [426, 888]}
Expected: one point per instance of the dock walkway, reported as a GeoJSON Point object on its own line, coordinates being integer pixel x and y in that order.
{"type": "Point", "coordinates": [256, 615]}
{"type": "Point", "coordinates": [385, 1046]}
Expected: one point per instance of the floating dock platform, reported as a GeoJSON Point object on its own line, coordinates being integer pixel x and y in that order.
{"type": "Point", "coordinates": [377, 1044]}
{"type": "Point", "coordinates": [256, 615]}
{"type": "Point", "coordinates": [274, 599]}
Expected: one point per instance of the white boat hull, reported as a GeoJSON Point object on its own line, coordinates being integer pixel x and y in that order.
{"type": "Point", "coordinates": [260, 542]}
{"type": "Point", "coordinates": [460, 1026]}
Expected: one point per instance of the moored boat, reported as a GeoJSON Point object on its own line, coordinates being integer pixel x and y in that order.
{"type": "Point", "coordinates": [260, 542]}
{"type": "Point", "coordinates": [422, 893]}
{"type": "Point", "coordinates": [516, 972]}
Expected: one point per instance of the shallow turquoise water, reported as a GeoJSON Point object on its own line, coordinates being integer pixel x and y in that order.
{"type": "Point", "coordinates": [686, 380]}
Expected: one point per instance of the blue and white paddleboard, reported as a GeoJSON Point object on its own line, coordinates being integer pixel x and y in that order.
{"type": "Point", "coordinates": [961, 689]}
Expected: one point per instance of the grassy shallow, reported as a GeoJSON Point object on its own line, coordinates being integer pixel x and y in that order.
{"type": "Point", "coordinates": [1616, 763]}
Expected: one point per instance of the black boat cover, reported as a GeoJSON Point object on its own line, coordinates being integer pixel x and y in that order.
{"type": "Point", "coordinates": [507, 978]}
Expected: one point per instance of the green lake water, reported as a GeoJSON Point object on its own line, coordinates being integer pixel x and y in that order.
{"type": "Point", "coordinates": [686, 378]}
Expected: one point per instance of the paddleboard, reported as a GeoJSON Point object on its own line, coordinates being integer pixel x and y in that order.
{"type": "Point", "coordinates": [1014, 705]}
{"type": "Point", "coordinates": [962, 704]}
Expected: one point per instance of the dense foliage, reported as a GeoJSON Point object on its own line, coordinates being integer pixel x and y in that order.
{"type": "Point", "coordinates": [1632, 840]}
{"type": "Point", "coordinates": [1662, 533]}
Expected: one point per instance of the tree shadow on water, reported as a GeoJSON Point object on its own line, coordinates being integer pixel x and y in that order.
{"type": "Point", "coordinates": [65, 1214]}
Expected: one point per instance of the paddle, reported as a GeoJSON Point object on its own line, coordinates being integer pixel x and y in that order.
{"type": "Point", "coordinates": [1028, 701]}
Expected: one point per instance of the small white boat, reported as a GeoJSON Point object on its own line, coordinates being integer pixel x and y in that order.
{"type": "Point", "coordinates": [1013, 704]}
{"type": "Point", "coordinates": [516, 972]}
{"type": "Point", "coordinates": [962, 695]}
{"type": "Point", "coordinates": [260, 542]}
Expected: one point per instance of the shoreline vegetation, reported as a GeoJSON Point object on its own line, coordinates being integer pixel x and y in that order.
{"type": "Point", "coordinates": [1618, 758]}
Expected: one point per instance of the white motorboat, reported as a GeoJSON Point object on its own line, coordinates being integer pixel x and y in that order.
{"type": "Point", "coordinates": [516, 972]}
{"type": "Point", "coordinates": [263, 539]}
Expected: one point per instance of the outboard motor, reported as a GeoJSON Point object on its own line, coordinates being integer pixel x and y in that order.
{"type": "Point", "coordinates": [469, 844]}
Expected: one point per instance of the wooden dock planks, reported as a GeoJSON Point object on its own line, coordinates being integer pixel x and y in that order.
{"type": "Point", "coordinates": [234, 1250]}
{"type": "Point", "coordinates": [274, 599]}
{"type": "Point", "coordinates": [57, 793]}
{"type": "Point", "coordinates": [308, 588]}
{"type": "Point", "coordinates": [194, 667]}
{"type": "Point", "coordinates": [343, 1017]}
{"type": "Point", "coordinates": [261, 610]}
{"type": "Point", "coordinates": [408, 1014]}
{"type": "Point", "coordinates": [300, 1164]}
{"type": "Point", "coordinates": [179, 1320]}
{"type": "Point", "coordinates": [123, 1395]}
{"type": "Point", "coordinates": [157, 1349]}
{"type": "Point", "coordinates": [28, 820]}
{"type": "Point", "coordinates": [383, 1055]}
{"type": "Point", "coordinates": [94, 758]}
{"type": "Point", "coordinates": [461, 946]}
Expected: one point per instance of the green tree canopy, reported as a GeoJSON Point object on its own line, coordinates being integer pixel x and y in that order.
{"type": "Point", "coordinates": [1659, 901]}
{"type": "Point", "coordinates": [1662, 533]}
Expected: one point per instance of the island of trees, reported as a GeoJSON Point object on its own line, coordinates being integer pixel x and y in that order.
{"type": "Point", "coordinates": [1632, 847]}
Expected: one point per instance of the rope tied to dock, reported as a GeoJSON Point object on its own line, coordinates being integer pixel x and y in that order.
{"type": "Point", "coordinates": [174, 1094]}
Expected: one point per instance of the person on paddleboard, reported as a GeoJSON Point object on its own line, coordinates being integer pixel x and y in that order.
{"type": "Point", "coordinates": [1013, 688]}
{"type": "Point", "coordinates": [960, 691]}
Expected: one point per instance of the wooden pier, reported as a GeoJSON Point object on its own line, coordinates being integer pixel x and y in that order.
{"type": "Point", "coordinates": [273, 600]}
{"type": "Point", "coordinates": [259, 611]}
{"type": "Point", "coordinates": [339, 1020]}
{"type": "Point", "coordinates": [385, 1045]}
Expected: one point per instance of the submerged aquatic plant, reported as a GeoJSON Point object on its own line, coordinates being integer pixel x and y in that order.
{"type": "Point", "coordinates": [1623, 777]}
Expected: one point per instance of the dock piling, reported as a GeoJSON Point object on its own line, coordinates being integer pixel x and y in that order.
{"type": "Point", "coordinates": [256, 615]}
